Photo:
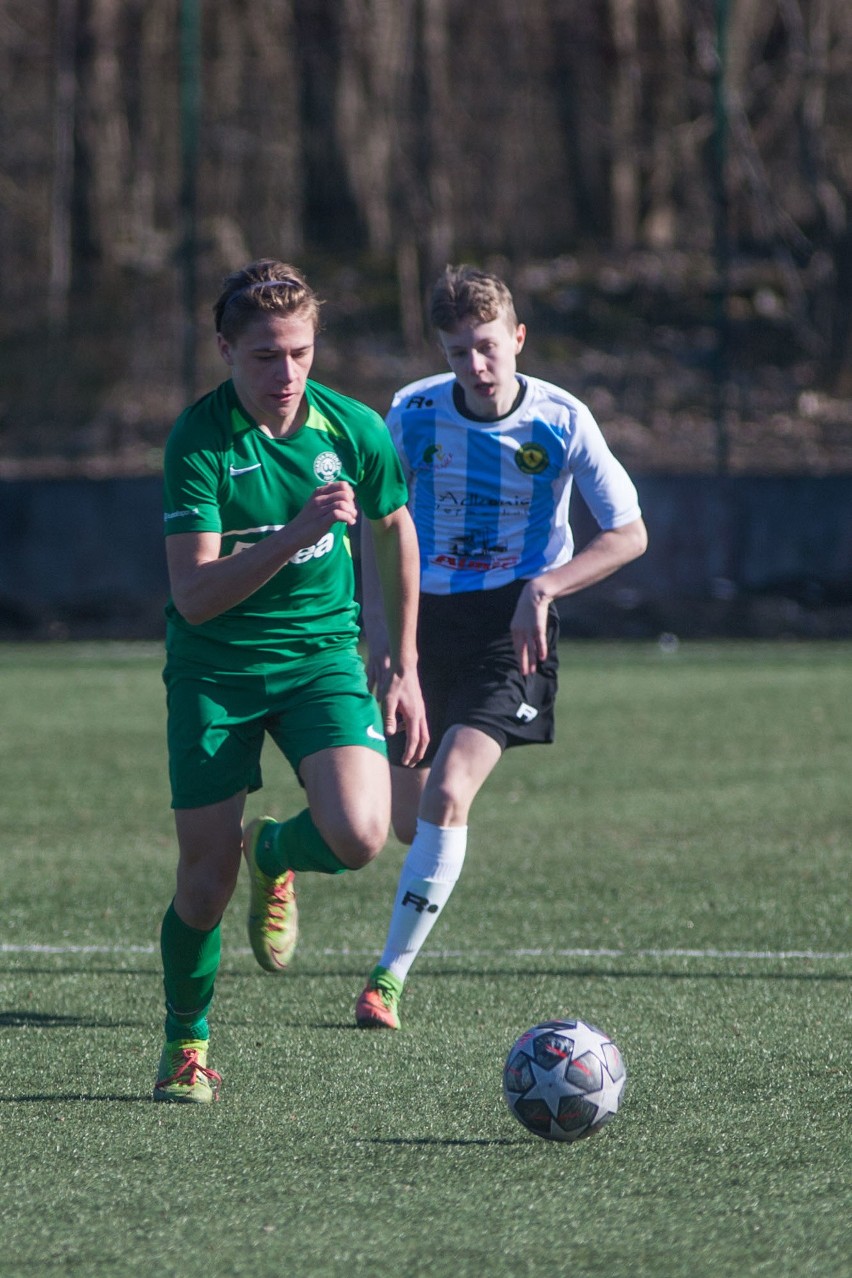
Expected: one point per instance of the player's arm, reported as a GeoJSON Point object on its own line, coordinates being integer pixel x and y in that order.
{"type": "Point", "coordinates": [373, 615]}
{"type": "Point", "coordinates": [203, 585]}
{"type": "Point", "coordinates": [604, 555]}
{"type": "Point", "coordinates": [393, 587]}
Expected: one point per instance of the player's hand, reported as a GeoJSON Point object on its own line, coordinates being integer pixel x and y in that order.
{"type": "Point", "coordinates": [378, 665]}
{"type": "Point", "coordinates": [327, 505]}
{"type": "Point", "coordinates": [529, 627]}
{"type": "Point", "coordinates": [403, 708]}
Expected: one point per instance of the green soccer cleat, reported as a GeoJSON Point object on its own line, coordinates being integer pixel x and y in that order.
{"type": "Point", "coordinates": [273, 919]}
{"type": "Point", "coordinates": [378, 1004]}
{"type": "Point", "coordinates": [183, 1076]}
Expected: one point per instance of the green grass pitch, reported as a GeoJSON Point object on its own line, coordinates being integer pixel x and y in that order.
{"type": "Point", "coordinates": [675, 869]}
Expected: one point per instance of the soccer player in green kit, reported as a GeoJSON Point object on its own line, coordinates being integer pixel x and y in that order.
{"type": "Point", "coordinates": [261, 481]}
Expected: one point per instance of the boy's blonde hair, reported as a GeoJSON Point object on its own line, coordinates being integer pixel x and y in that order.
{"type": "Point", "coordinates": [262, 288]}
{"type": "Point", "coordinates": [464, 292]}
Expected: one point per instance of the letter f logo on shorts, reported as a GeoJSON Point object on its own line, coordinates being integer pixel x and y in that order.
{"type": "Point", "coordinates": [526, 713]}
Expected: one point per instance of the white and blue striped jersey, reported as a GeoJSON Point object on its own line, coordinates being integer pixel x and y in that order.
{"type": "Point", "coordinates": [490, 499]}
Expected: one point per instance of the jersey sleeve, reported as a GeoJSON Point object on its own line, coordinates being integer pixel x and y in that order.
{"type": "Point", "coordinates": [393, 422]}
{"type": "Point", "coordinates": [382, 488]}
{"type": "Point", "coordinates": [604, 484]}
{"type": "Point", "coordinates": [191, 482]}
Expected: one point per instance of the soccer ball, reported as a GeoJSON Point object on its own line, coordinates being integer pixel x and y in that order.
{"type": "Point", "coordinates": [563, 1079]}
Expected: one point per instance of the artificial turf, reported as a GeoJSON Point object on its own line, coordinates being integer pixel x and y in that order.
{"type": "Point", "coordinates": [674, 869]}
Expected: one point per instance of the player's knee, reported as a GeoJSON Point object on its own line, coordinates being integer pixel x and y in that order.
{"type": "Point", "coordinates": [405, 828]}
{"type": "Point", "coordinates": [445, 803]}
{"type": "Point", "coordinates": [357, 846]}
{"type": "Point", "coordinates": [203, 896]}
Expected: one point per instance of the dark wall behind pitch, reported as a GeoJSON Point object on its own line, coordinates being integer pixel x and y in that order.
{"type": "Point", "coordinates": [762, 557]}
{"type": "Point", "coordinates": [82, 558]}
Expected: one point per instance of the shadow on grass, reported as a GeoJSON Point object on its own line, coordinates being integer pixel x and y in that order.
{"type": "Point", "coordinates": [510, 973]}
{"type": "Point", "coordinates": [453, 973]}
{"type": "Point", "coordinates": [52, 1020]}
{"type": "Point", "coordinates": [648, 974]}
{"type": "Point", "coordinates": [443, 1144]}
{"type": "Point", "coordinates": [91, 973]}
{"type": "Point", "coordinates": [44, 1097]}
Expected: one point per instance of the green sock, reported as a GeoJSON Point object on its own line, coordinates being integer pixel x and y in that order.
{"type": "Point", "coordinates": [296, 845]}
{"type": "Point", "coordinates": [190, 964]}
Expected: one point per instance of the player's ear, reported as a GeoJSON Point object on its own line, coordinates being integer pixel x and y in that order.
{"type": "Point", "coordinates": [441, 342]}
{"type": "Point", "coordinates": [224, 349]}
{"type": "Point", "coordinates": [520, 338]}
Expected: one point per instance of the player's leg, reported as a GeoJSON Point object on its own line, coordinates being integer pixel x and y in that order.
{"type": "Point", "coordinates": [349, 797]}
{"type": "Point", "coordinates": [343, 827]}
{"type": "Point", "coordinates": [209, 844]}
{"type": "Point", "coordinates": [465, 759]}
{"type": "Point", "coordinates": [215, 737]}
{"type": "Point", "coordinates": [329, 729]}
{"type": "Point", "coordinates": [407, 786]}
{"type": "Point", "coordinates": [474, 685]}
{"type": "Point", "coordinates": [345, 824]}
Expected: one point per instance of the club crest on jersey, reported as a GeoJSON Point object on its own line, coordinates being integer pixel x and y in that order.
{"type": "Point", "coordinates": [327, 466]}
{"type": "Point", "coordinates": [532, 459]}
{"type": "Point", "coordinates": [434, 456]}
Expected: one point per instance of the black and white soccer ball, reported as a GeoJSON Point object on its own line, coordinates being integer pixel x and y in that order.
{"type": "Point", "coordinates": [564, 1079]}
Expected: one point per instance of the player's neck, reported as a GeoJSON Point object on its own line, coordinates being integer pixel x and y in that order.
{"type": "Point", "coordinates": [512, 405]}
{"type": "Point", "coordinates": [284, 427]}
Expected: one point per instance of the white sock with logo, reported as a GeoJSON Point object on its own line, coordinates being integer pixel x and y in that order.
{"type": "Point", "coordinates": [429, 874]}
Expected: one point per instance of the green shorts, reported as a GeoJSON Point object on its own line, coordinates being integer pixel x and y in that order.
{"type": "Point", "coordinates": [217, 724]}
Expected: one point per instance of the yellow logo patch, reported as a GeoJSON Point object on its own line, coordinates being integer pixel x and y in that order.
{"type": "Point", "coordinates": [532, 459]}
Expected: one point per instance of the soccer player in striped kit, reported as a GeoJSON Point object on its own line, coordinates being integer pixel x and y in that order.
{"type": "Point", "coordinates": [490, 456]}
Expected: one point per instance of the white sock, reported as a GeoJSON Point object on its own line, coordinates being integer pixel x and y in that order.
{"type": "Point", "coordinates": [428, 876]}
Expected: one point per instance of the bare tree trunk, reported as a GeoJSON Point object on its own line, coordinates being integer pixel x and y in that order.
{"type": "Point", "coordinates": [104, 135]}
{"type": "Point", "coordinates": [625, 108]}
{"type": "Point", "coordinates": [721, 241]}
{"type": "Point", "coordinates": [747, 19]}
{"type": "Point", "coordinates": [835, 210]}
{"type": "Point", "coordinates": [190, 124]}
{"type": "Point", "coordinates": [439, 231]}
{"type": "Point", "coordinates": [275, 166]}
{"type": "Point", "coordinates": [59, 280]}
{"type": "Point", "coordinates": [670, 158]}
{"type": "Point", "coordinates": [410, 296]}
{"type": "Point", "coordinates": [154, 140]}
{"type": "Point", "coordinates": [422, 196]}
{"type": "Point", "coordinates": [252, 197]}
{"type": "Point", "coordinates": [368, 106]}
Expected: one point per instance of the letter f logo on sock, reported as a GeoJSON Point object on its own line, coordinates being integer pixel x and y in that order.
{"type": "Point", "coordinates": [420, 903]}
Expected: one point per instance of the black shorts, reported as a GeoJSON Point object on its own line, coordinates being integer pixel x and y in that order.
{"type": "Point", "coordinates": [469, 672]}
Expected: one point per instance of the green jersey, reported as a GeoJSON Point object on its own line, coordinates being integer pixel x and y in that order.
{"type": "Point", "coordinates": [224, 474]}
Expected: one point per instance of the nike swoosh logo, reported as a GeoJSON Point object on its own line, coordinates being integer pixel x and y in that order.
{"type": "Point", "coordinates": [377, 736]}
{"type": "Point", "coordinates": [244, 470]}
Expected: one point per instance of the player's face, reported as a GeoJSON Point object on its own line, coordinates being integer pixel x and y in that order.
{"type": "Point", "coordinates": [270, 362]}
{"type": "Point", "coordinates": [483, 357]}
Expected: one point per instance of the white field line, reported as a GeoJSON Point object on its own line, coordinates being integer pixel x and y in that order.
{"type": "Point", "coordinates": [346, 952]}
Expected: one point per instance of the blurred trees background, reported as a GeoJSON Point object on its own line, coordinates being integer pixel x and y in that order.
{"type": "Point", "coordinates": [667, 185]}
